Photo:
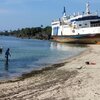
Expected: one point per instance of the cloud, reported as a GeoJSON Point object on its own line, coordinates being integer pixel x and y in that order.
{"type": "Point", "coordinates": [4, 11]}
{"type": "Point", "coordinates": [7, 2]}
{"type": "Point", "coordinates": [20, 1]}
{"type": "Point", "coordinates": [16, 2]}
{"type": "Point", "coordinates": [13, 1]}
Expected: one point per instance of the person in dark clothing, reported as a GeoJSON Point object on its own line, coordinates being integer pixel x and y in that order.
{"type": "Point", "coordinates": [7, 54]}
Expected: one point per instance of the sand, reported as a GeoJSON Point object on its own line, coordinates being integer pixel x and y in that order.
{"type": "Point", "coordinates": [73, 79]}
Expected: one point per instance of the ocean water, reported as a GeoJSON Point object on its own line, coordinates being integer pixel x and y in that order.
{"type": "Point", "coordinates": [30, 54]}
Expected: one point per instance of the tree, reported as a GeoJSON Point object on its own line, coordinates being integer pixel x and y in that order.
{"type": "Point", "coordinates": [34, 32]}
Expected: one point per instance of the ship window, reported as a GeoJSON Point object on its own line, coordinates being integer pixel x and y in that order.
{"type": "Point", "coordinates": [85, 24]}
{"type": "Point", "coordinates": [87, 18]}
{"type": "Point", "coordinates": [80, 25]}
{"type": "Point", "coordinates": [95, 23]}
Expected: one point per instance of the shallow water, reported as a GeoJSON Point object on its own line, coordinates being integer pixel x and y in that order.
{"type": "Point", "coordinates": [29, 54]}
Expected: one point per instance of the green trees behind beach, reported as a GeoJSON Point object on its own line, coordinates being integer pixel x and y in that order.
{"type": "Point", "coordinates": [34, 32]}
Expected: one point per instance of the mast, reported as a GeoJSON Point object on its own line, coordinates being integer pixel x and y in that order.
{"type": "Point", "coordinates": [64, 12]}
{"type": "Point", "coordinates": [87, 8]}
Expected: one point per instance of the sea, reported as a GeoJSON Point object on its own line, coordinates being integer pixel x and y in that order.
{"type": "Point", "coordinates": [32, 54]}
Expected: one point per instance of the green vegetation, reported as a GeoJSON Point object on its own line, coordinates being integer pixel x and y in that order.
{"type": "Point", "coordinates": [34, 32]}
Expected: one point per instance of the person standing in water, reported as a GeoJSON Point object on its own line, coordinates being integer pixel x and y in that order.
{"type": "Point", "coordinates": [7, 54]}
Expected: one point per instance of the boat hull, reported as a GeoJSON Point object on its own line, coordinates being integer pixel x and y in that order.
{"type": "Point", "coordinates": [85, 39]}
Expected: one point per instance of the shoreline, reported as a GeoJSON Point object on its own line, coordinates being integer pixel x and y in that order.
{"type": "Point", "coordinates": [41, 70]}
{"type": "Point", "coordinates": [70, 80]}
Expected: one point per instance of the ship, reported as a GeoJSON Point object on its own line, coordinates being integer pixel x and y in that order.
{"type": "Point", "coordinates": [78, 28]}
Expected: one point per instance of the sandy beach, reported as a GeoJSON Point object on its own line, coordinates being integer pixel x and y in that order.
{"type": "Point", "coordinates": [77, 78]}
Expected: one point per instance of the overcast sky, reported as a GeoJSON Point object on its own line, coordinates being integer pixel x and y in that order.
{"type": "Point", "coordinates": [16, 14]}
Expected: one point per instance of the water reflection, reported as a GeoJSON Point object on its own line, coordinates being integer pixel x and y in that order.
{"type": "Point", "coordinates": [65, 46]}
{"type": "Point", "coordinates": [6, 67]}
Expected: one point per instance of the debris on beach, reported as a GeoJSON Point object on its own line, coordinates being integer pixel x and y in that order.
{"type": "Point", "coordinates": [90, 63]}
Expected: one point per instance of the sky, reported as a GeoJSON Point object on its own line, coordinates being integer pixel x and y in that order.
{"type": "Point", "coordinates": [17, 14]}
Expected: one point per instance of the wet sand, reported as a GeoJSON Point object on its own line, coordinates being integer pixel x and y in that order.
{"type": "Point", "coordinates": [73, 79]}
